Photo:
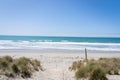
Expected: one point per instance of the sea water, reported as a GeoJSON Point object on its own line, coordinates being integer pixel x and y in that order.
{"type": "Point", "coordinates": [60, 43]}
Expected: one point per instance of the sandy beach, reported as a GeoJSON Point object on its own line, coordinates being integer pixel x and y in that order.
{"type": "Point", "coordinates": [56, 64]}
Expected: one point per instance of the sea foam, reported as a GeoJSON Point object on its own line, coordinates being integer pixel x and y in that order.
{"type": "Point", "coordinates": [64, 45]}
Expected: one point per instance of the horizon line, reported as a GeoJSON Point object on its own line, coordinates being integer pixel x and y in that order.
{"type": "Point", "coordinates": [61, 36]}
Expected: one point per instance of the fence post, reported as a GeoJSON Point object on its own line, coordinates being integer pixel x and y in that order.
{"type": "Point", "coordinates": [85, 54]}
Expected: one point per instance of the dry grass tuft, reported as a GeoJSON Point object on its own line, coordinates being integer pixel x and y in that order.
{"type": "Point", "coordinates": [96, 69]}
{"type": "Point", "coordinates": [23, 67]}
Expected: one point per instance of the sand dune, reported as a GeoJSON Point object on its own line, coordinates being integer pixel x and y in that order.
{"type": "Point", "coordinates": [56, 65]}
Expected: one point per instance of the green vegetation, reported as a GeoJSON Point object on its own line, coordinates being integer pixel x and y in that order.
{"type": "Point", "coordinates": [96, 69]}
{"type": "Point", "coordinates": [23, 67]}
{"type": "Point", "coordinates": [82, 73]}
{"type": "Point", "coordinates": [98, 74]}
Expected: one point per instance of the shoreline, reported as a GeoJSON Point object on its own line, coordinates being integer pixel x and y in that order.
{"type": "Point", "coordinates": [56, 50]}
{"type": "Point", "coordinates": [29, 52]}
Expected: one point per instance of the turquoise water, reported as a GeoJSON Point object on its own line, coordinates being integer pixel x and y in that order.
{"type": "Point", "coordinates": [60, 43]}
{"type": "Point", "coordinates": [61, 39]}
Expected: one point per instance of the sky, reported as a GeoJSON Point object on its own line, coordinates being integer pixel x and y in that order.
{"type": "Point", "coordinates": [83, 18]}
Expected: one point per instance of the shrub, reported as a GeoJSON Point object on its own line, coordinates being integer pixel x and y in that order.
{"type": "Point", "coordinates": [26, 74]}
{"type": "Point", "coordinates": [23, 61]}
{"type": "Point", "coordinates": [5, 61]}
{"type": "Point", "coordinates": [8, 58]}
{"type": "Point", "coordinates": [3, 64]}
{"type": "Point", "coordinates": [36, 64]}
{"type": "Point", "coordinates": [97, 68]}
{"type": "Point", "coordinates": [79, 64]}
{"type": "Point", "coordinates": [15, 69]}
{"type": "Point", "coordinates": [9, 74]}
{"type": "Point", "coordinates": [81, 73]}
{"type": "Point", "coordinates": [74, 66]}
{"type": "Point", "coordinates": [23, 67]}
{"type": "Point", "coordinates": [98, 74]}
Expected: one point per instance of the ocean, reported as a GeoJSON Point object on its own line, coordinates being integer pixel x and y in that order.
{"type": "Point", "coordinates": [60, 43]}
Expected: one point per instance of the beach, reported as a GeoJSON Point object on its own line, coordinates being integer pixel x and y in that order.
{"type": "Point", "coordinates": [57, 54]}
{"type": "Point", "coordinates": [56, 64]}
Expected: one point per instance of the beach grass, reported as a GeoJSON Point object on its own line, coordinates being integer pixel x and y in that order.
{"type": "Point", "coordinates": [96, 69]}
{"type": "Point", "coordinates": [23, 67]}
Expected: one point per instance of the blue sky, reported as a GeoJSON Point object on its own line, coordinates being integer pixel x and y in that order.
{"type": "Point", "coordinates": [86, 18]}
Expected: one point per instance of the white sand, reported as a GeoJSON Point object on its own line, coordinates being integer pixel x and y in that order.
{"type": "Point", "coordinates": [56, 64]}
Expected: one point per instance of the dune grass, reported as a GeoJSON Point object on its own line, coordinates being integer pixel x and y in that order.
{"type": "Point", "coordinates": [23, 67]}
{"type": "Point", "coordinates": [96, 69]}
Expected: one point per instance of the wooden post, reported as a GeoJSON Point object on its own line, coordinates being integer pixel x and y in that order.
{"type": "Point", "coordinates": [85, 54]}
